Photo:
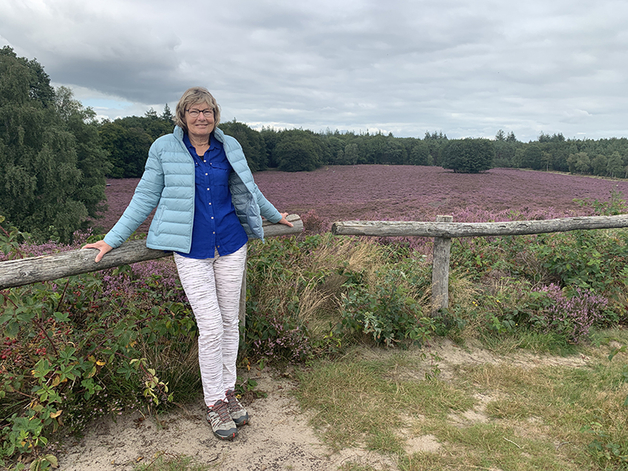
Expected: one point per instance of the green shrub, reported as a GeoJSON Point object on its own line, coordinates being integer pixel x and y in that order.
{"type": "Point", "coordinates": [386, 312]}
{"type": "Point", "coordinates": [91, 345]}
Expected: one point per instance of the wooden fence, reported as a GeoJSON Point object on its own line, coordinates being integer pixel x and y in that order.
{"type": "Point", "coordinates": [25, 271]}
{"type": "Point", "coordinates": [50, 267]}
{"type": "Point", "coordinates": [443, 230]}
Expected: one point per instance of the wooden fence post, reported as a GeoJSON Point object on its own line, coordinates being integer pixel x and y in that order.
{"type": "Point", "coordinates": [440, 270]}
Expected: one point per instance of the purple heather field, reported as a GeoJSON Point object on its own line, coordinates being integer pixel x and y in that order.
{"type": "Point", "coordinates": [382, 192]}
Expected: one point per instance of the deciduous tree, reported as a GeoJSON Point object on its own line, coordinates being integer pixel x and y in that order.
{"type": "Point", "coordinates": [469, 155]}
{"type": "Point", "coordinates": [51, 164]}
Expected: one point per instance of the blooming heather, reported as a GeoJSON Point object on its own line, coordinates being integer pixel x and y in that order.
{"type": "Point", "coordinates": [571, 316]}
{"type": "Point", "coordinates": [402, 192]}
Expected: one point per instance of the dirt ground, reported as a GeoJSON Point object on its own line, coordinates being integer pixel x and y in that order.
{"type": "Point", "coordinates": [279, 436]}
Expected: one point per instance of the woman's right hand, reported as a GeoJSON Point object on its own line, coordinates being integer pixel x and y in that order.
{"type": "Point", "coordinates": [102, 247]}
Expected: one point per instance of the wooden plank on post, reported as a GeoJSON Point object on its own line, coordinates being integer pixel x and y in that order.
{"type": "Point", "coordinates": [25, 271]}
{"type": "Point", "coordinates": [440, 270]}
{"type": "Point", "coordinates": [476, 229]}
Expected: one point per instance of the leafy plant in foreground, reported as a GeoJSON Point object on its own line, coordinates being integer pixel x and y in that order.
{"type": "Point", "coordinates": [76, 349]}
{"type": "Point", "coordinates": [385, 312]}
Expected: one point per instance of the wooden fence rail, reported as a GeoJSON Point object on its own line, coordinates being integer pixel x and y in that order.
{"type": "Point", "coordinates": [15, 273]}
{"type": "Point", "coordinates": [443, 230]}
{"type": "Point", "coordinates": [60, 265]}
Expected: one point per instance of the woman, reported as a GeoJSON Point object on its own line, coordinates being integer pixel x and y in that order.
{"type": "Point", "coordinates": [208, 206]}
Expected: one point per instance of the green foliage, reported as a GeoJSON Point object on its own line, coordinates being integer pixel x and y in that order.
{"type": "Point", "coordinates": [387, 311]}
{"type": "Point", "coordinates": [505, 149]}
{"type": "Point", "coordinates": [274, 330]}
{"type": "Point", "coordinates": [127, 140]}
{"type": "Point", "coordinates": [579, 163]}
{"type": "Point", "coordinates": [469, 155]}
{"type": "Point", "coordinates": [52, 168]}
{"type": "Point", "coordinates": [87, 346]}
{"type": "Point", "coordinates": [555, 287]}
{"type": "Point", "coordinates": [297, 151]}
{"type": "Point", "coordinates": [585, 259]}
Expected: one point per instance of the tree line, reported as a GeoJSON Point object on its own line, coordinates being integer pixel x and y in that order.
{"type": "Point", "coordinates": [55, 155]}
{"type": "Point", "coordinates": [295, 150]}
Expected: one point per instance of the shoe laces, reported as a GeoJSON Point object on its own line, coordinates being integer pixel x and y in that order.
{"type": "Point", "coordinates": [234, 404]}
{"type": "Point", "coordinates": [221, 409]}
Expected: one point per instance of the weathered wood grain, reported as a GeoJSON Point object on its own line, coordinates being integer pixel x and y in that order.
{"type": "Point", "coordinates": [476, 229]}
{"type": "Point", "coordinates": [51, 267]}
{"type": "Point", "coordinates": [440, 269]}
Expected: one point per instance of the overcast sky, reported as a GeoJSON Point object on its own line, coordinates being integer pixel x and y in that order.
{"type": "Point", "coordinates": [466, 68]}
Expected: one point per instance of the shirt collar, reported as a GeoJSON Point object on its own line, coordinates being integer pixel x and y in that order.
{"type": "Point", "coordinates": [188, 143]}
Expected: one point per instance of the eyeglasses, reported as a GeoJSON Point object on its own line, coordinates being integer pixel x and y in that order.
{"type": "Point", "coordinates": [195, 113]}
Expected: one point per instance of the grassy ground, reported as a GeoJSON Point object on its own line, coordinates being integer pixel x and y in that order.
{"type": "Point", "coordinates": [465, 407]}
{"type": "Point", "coordinates": [511, 413]}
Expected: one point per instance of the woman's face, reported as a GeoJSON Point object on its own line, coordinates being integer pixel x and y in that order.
{"type": "Point", "coordinates": [199, 119]}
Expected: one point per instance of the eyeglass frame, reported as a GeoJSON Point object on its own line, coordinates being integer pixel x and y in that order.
{"type": "Point", "coordinates": [196, 113]}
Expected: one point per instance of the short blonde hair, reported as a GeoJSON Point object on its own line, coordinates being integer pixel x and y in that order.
{"type": "Point", "coordinates": [194, 96]}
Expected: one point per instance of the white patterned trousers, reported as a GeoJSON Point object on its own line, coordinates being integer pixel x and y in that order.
{"type": "Point", "coordinates": [213, 287]}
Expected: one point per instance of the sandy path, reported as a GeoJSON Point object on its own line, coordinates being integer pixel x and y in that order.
{"type": "Point", "coordinates": [278, 437]}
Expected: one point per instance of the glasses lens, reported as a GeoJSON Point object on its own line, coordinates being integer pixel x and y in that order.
{"type": "Point", "coordinates": [206, 113]}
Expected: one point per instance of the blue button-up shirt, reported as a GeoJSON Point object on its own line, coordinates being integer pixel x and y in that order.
{"type": "Point", "coordinates": [216, 225]}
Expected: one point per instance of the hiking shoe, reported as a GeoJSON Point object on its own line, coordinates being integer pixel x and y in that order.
{"type": "Point", "coordinates": [238, 413]}
{"type": "Point", "coordinates": [222, 424]}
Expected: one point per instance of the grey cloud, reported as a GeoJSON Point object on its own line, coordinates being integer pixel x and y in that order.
{"type": "Point", "coordinates": [466, 68]}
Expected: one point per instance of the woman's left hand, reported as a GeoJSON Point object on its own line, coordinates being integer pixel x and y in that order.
{"type": "Point", "coordinates": [284, 220]}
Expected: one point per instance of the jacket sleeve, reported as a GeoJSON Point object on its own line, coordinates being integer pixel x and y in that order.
{"type": "Point", "coordinates": [266, 208]}
{"type": "Point", "coordinates": [145, 199]}
{"type": "Point", "coordinates": [245, 176]}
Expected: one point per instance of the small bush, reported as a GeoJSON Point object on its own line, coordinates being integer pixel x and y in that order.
{"type": "Point", "coordinates": [569, 317]}
{"type": "Point", "coordinates": [273, 338]}
{"type": "Point", "coordinates": [386, 312]}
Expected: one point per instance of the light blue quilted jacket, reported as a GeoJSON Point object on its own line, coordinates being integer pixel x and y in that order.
{"type": "Point", "coordinates": [168, 184]}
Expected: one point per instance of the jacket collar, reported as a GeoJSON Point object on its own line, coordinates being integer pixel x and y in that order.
{"type": "Point", "coordinates": [178, 133]}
